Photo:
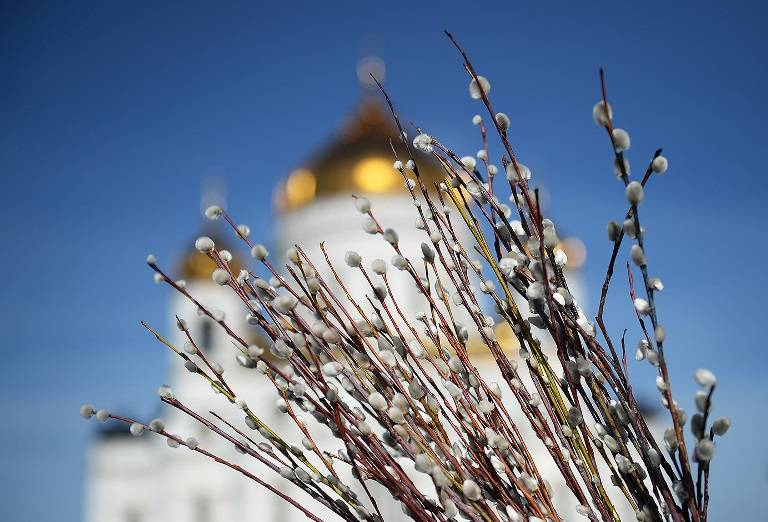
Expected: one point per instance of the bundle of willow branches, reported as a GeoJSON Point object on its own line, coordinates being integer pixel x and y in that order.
{"type": "Point", "coordinates": [395, 389]}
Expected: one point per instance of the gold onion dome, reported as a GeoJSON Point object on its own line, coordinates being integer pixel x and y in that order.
{"type": "Point", "coordinates": [357, 161]}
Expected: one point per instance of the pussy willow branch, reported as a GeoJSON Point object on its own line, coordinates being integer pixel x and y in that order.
{"type": "Point", "coordinates": [410, 388]}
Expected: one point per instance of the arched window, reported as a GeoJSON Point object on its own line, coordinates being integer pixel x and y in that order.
{"type": "Point", "coordinates": [205, 341]}
{"type": "Point", "coordinates": [132, 515]}
{"type": "Point", "coordinates": [202, 507]}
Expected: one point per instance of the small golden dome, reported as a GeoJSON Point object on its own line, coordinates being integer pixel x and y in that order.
{"type": "Point", "coordinates": [576, 251]}
{"type": "Point", "coordinates": [358, 161]}
{"type": "Point", "coordinates": [300, 187]}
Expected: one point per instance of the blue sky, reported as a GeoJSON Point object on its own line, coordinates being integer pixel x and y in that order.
{"type": "Point", "coordinates": [113, 114]}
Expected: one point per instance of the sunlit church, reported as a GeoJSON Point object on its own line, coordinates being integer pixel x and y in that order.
{"type": "Point", "coordinates": [141, 479]}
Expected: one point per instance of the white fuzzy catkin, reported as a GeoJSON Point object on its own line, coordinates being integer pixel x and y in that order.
{"type": "Point", "coordinates": [471, 490]}
{"type": "Point", "coordinates": [87, 411]}
{"type": "Point", "coordinates": [502, 120]}
{"type": "Point", "coordinates": [701, 399]}
{"type": "Point", "coordinates": [259, 252]}
{"type": "Point", "coordinates": [204, 244]}
{"type": "Point", "coordinates": [369, 225]}
{"type": "Point", "coordinates": [254, 351]}
{"type": "Point", "coordinates": [363, 205]}
{"type": "Point", "coordinates": [621, 139]}
{"type": "Point", "coordinates": [602, 113]}
{"type": "Point", "coordinates": [379, 266]}
{"type": "Point", "coordinates": [623, 463]}
{"type": "Point", "coordinates": [575, 416]}
{"type": "Point", "coordinates": [561, 258]}
{"type": "Point", "coordinates": [629, 228]}
{"type": "Point", "coordinates": [614, 231]}
{"type": "Point", "coordinates": [642, 306]}
{"type": "Point", "coordinates": [705, 378]}
{"type": "Point", "coordinates": [469, 162]}
{"type": "Point", "coordinates": [377, 401]}
{"type": "Point", "coordinates": [705, 449]}
{"type": "Point", "coordinates": [388, 358]}
{"type": "Point", "coordinates": [214, 212]}
{"type": "Point", "coordinates": [522, 172]}
{"type": "Point", "coordinates": [638, 256]}
{"type": "Point", "coordinates": [364, 428]}
{"type": "Point", "coordinates": [453, 390]}
{"type": "Point", "coordinates": [221, 277]}
{"type": "Point", "coordinates": [352, 259]}
{"type": "Point", "coordinates": [618, 171]}
{"type": "Point", "coordinates": [181, 324]}
{"type": "Point", "coordinates": [102, 415]}
{"type": "Point", "coordinates": [477, 119]}
{"type": "Point", "coordinates": [611, 443]}
{"type": "Point", "coordinates": [332, 369]}
{"type": "Point", "coordinates": [156, 425]}
{"type": "Point", "coordinates": [136, 429]}
{"type": "Point", "coordinates": [244, 230]}
{"type": "Point", "coordinates": [634, 192]}
{"type": "Point", "coordinates": [424, 463]}
{"type": "Point", "coordinates": [535, 291]}
{"type": "Point", "coordinates": [455, 364]}
{"type": "Point", "coordinates": [720, 426]}
{"type": "Point", "coordinates": [423, 143]}
{"type": "Point", "coordinates": [151, 259]}
{"type": "Point", "coordinates": [476, 85]}
{"type": "Point", "coordinates": [293, 255]}
{"type": "Point", "coordinates": [391, 236]}
{"type": "Point", "coordinates": [486, 406]}
{"type": "Point", "coordinates": [659, 165]}
{"type": "Point", "coordinates": [331, 336]}
{"type": "Point", "coordinates": [396, 415]}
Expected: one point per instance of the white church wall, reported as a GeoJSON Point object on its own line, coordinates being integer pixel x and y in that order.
{"type": "Point", "coordinates": [122, 477]}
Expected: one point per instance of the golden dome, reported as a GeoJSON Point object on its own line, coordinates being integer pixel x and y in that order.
{"type": "Point", "coordinates": [358, 161]}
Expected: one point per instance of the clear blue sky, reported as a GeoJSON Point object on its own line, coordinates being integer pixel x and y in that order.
{"type": "Point", "coordinates": [112, 114]}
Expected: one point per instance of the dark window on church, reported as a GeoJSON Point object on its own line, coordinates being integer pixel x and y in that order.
{"type": "Point", "coordinates": [132, 515]}
{"type": "Point", "coordinates": [203, 511]}
{"type": "Point", "coordinates": [206, 335]}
